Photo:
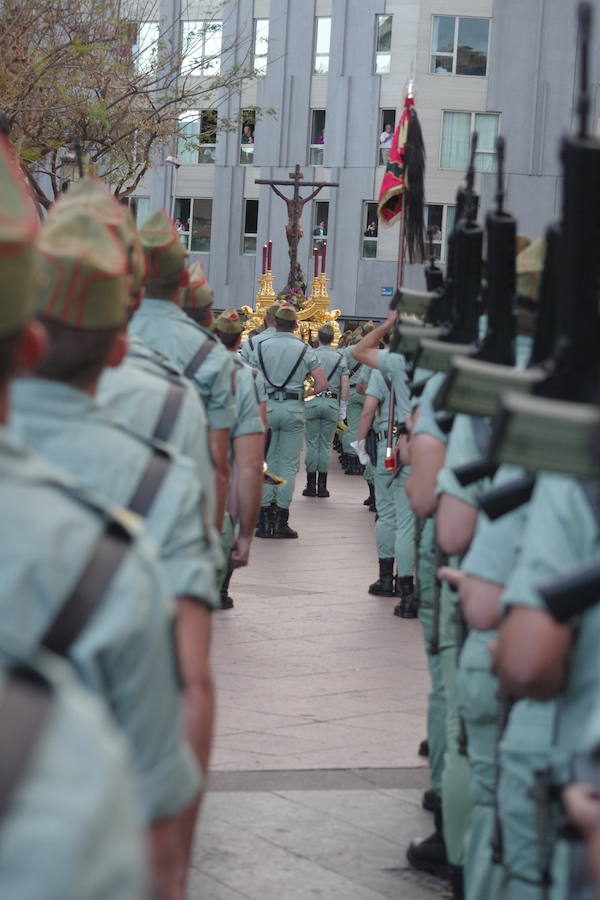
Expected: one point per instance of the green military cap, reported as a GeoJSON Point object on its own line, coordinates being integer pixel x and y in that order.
{"type": "Point", "coordinates": [357, 335]}
{"type": "Point", "coordinates": [286, 313]}
{"type": "Point", "coordinates": [530, 264]}
{"type": "Point", "coordinates": [368, 326]}
{"type": "Point", "coordinates": [271, 311]}
{"type": "Point", "coordinates": [326, 330]}
{"type": "Point", "coordinates": [198, 292]}
{"type": "Point", "coordinates": [165, 254]}
{"type": "Point", "coordinates": [81, 276]}
{"type": "Point", "coordinates": [92, 195]}
{"type": "Point", "coordinates": [229, 322]}
{"type": "Point", "coordinates": [18, 227]}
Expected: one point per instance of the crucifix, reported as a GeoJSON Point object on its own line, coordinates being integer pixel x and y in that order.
{"type": "Point", "coordinates": [295, 205]}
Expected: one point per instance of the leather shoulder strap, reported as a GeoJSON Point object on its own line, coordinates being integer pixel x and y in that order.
{"type": "Point", "coordinates": [280, 387]}
{"type": "Point", "coordinates": [199, 356]}
{"type": "Point", "coordinates": [169, 412]}
{"type": "Point", "coordinates": [149, 484]}
{"type": "Point", "coordinates": [355, 369]}
{"type": "Point", "coordinates": [90, 589]}
{"type": "Point", "coordinates": [25, 706]}
{"type": "Point", "coordinates": [336, 367]}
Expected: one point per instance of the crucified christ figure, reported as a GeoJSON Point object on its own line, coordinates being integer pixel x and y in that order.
{"type": "Point", "coordinates": [295, 205]}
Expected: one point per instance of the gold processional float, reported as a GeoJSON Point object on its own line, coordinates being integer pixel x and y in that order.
{"type": "Point", "coordinates": [313, 310]}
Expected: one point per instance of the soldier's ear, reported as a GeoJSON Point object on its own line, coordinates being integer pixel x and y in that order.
{"type": "Point", "coordinates": [118, 351]}
{"type": "Point", "coordinates": [33, 348]}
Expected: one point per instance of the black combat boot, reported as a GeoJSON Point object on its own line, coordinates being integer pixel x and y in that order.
{"type": "Point", "coordinates": [370, 501]}
{"type": "Point", "coordinates": [322, 488]}
{"type": "Point", "coordinates": [311, 485]}
{"type": "Point", "coordinates": [430, 855]}
{"type": "Point", "coordinates": [281, 528]}
{"type": "Point", "coordinates": [457, 882]}
{"type": "Point", "coordinates": [405, 588]}
{"type": "Point", "coordinates": [431, 801]}
{"type": "Point", "coordinates": [384, 586]}
{"type": "Point", "coordinates": [265, 523]}
{"type": "Point", "coordinates": [226, 600]}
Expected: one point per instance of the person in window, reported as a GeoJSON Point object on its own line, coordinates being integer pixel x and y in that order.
{"type": "Point", "coordinates": [247, 135]}
{"type": "Point", "coordinates": [387, 136]}
{"type": "Point", "coordinates": [179, 226]}
{"type": "Point", "coordinates": [371, 230]}
{"type": "Point", "coordinates": [321, 138]}
{"type": "Point", "coordinates": [320, 230]}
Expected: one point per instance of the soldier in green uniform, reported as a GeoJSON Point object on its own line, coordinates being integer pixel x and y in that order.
{"type": "Point", "coordinates": [323, 412]}
{"type": "Point", "coordinates": [248, 348]}
{"type": "Point", "coordinates": [247, 454]}
{"type": "Point", "coordinates": [284, 361]}
{"type": "Point", "coordinates": [164, 327]}
{"type": "Point", "coordinates": [57, 537]}
{"type": "Point", "coordinates": [356, 399]}
{"type": "Point", "coordinates": [63, 763]}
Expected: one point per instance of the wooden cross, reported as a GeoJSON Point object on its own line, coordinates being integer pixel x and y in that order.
{"type": "Point", "coordinates": [295, 205]}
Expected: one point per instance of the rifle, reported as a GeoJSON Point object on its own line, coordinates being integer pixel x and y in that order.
{"type": "Point", "coordinates": [574, 593]}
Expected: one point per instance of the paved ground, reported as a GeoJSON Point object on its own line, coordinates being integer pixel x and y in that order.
{"type": "Point", "coordinates": [316, 783]}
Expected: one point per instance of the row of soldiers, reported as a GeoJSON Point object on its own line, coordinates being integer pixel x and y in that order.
{"type": "Point", "coordinates": [132, 473]}
{"type": "Point", "coordinates": [502, 475]}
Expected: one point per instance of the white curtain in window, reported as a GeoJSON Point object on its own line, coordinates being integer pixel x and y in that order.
{"type": "Point", "coordinates": [486, 127]}
{"type": "Point", "coordinates": [189, 129]}
{"type": "Point", "coordinates": [142, 211]}
{"type": "Point", "coordinates": [456, 132]}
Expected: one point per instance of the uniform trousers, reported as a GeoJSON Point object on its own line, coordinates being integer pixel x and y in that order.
{"type": "Point", "coordinates": [228, 535]}
{"type": "Point", "coordinates": [356, 402]}
{"type": "Point", "coordinates": [322, 415]}
{"type": "Point", "coordinates": [477, 691]}
{"type": "Point", "coordinates": [287, 422]}
{"type": "Point", "coordinates": [395, 526]}
{"type": "Point", "coordinates": [436, 704]}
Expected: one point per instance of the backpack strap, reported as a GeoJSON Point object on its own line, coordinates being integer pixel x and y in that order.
{"type": "Point", "coordinates": [169, 412]}
{"type": "Point", "coordinates": [90, 589]}
{"type": "Point", "coordinates": [199, 357]}
{"type": "Point", "coordinates": [280, 387]}
{"type": "Point", "coordinates": [25, 706]}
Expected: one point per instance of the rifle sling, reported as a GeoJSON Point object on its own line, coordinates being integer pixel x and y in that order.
{"type": "Point", "coordinates": [108, 554]}
{"type": "Point", "coordinates": [280, 387]}
{"type": "Point", "coordinates": [25, 706]}
{"type": "Point", "coordinates": [169, 412]}
{"type": "Point", "coordinates": [198, 358]}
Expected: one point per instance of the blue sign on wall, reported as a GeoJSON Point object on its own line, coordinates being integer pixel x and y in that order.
{"type": "Point", "coordinates": [387, 291]}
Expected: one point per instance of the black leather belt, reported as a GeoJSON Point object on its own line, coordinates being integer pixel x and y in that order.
{"type": "Point", "coordinates": [331, 395]}
{"type": "Point", "coordinates": [382, 435]}
{"type": "Point", "coordinates": [283, 395]}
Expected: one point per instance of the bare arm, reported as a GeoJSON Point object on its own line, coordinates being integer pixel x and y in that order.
{"type": "Point", "coordinates": [345, 388]}
{"type": "Point", "coordinates": [454, 524]}
{"type": "Point", "coordinates": [248, 451]}
{"type": "Point", "coordinates": [219, 445]}
{"type": "Point", "coordinates": [366, 417]}
{"type": "Point", "coordinates": [320, 379]}
{"type": "Point", "coordinates": [532, 654]}
{"type": "Point", "coordinates": [427, 458]}
{"type": "Point", "coordinates": [480, 600]}
{"type": "Point", "coordinates": [366, 351]}
{"type": "Point", "coordinates": [279, 194]}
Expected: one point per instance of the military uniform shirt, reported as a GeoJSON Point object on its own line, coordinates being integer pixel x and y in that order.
{"type": "Point", "coordinates": [279, 355]}
{"type": "Point", "coordinates": [426, 423]}
{"type": "Point", "coordinates": [248, 420]}
{"type": "Point", "coordinates": [462, 448]}
{"type": "Point", "coordinates": [165, 328]}
{"type": "Point", "coordinates": [328, 358]}
{"type": "Point", "coordinates": [72, 829]}
{"type": "Point", "coordinates": [67, 426]}
{"type": "Point", "coordinates": [135, 393]}
{"type": "Point", "coordinates": [354, 367]}
{"type": "Point", "coordinates": [378, 388]}
{"type": "Point", "coordinates": [393, 367]}
{"type": "Point", "coordinates": [248, 350]}
{"type": "Point", "coordinates": [125, 653]}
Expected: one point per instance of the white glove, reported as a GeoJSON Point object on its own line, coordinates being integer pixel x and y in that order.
{"type": "Point", "coordinates": [342, 410]}
{"type": "Point", "coordinates": [362, 454]}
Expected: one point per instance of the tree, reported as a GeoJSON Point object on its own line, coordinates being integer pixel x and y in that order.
{"type": "Point", "coordinates": [82, 70]}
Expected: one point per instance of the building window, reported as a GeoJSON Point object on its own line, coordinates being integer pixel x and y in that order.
{"type": "Point", "coordinates": [145, 50]}
{"type": "Point", "coordinates": [320, 222]}
{"type": "Point", "coordinates": [250, 227]}
{"type": "Point", "coordinates": [140, 207]}
{"type": "Point", "coordinates": [383, 44]}
{"type": "Point", "coordinates": [457, 128]}
{"type": "Point", "coordinates": [193, 220]}
{"type": "Point", "coordinates": [317, 137]}
{"type": "Point", "coordinates": [247, 137]}
{"type": "Point", "coordinates": [370, 227]}
{"type": "Point", "coordinates": [459, 46]}
{"type": "Point", "coordinates": [322, 43]}
{"type": "Point", "coordinates": [439, 219]}
{"type": "Point", "coordinates": [387, 126]}
{"type": "Point", "coordinates": [261, 45]}
{"type": "Point", "coordinates": [201, 48]}
{"type": "Point", "coordinates": [197, 137]}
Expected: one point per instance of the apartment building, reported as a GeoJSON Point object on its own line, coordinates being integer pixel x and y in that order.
{"type": "Point", "coordinates": [335, 73]}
